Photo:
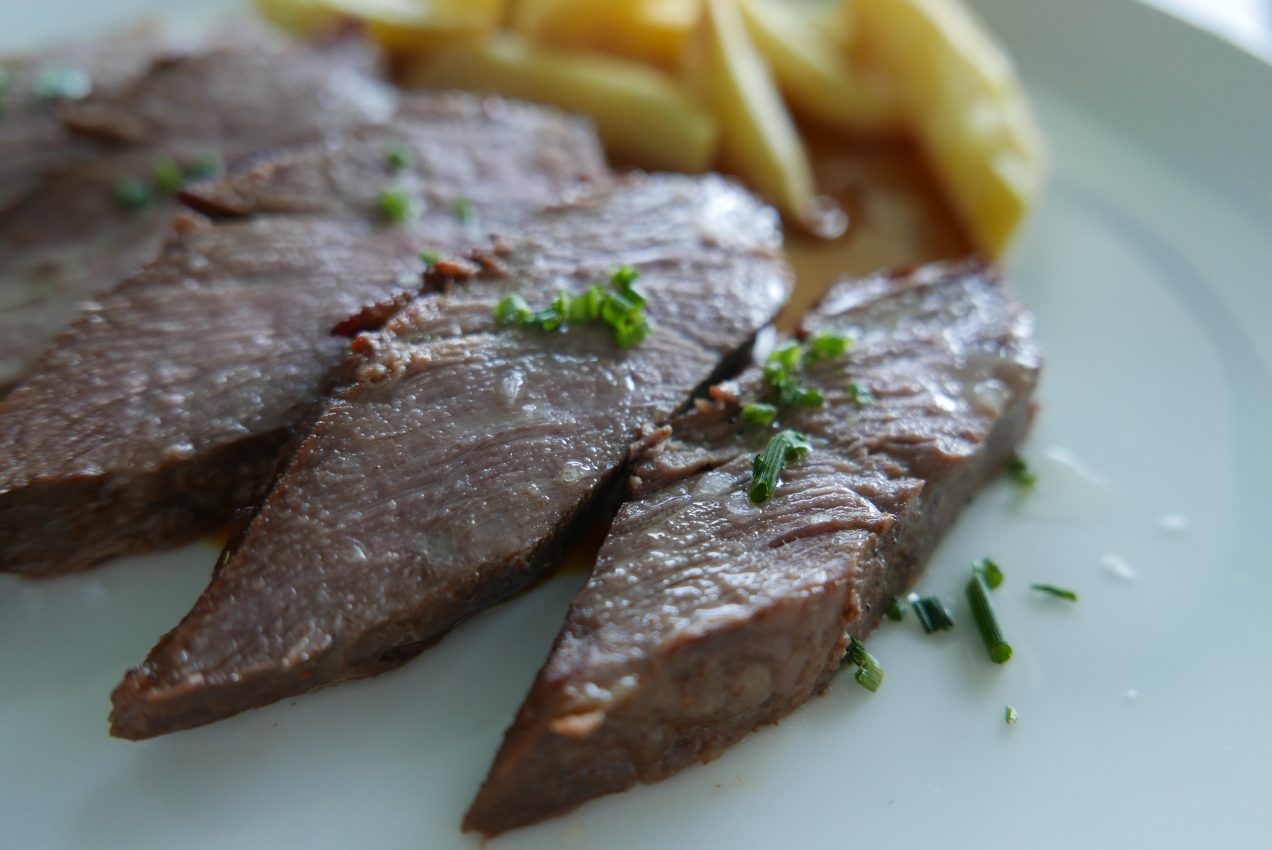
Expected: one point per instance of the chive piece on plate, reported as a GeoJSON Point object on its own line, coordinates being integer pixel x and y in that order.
{"type": "Point", "coordinates": [169, 178]}
{"type": "Point", "coordinates": [430, 258]}
{"type": "Point", "coordinates": [1020, 472]}
{"type": "Point", "coordinates": [463, 210]}
{"type": "Point", "coordinates": [988, 569]}
{"type": "Point", "coordinates": [826, 346]}
{"type": "Point", "coordinates": [896, 610]}
{"type": "Point", "coordinates": [932, 614]}
{"type": "Point", "coordinates": [396, 206]}
{"type": "Point", "coordinates": [1010, 716]}
{"type": "Point", "coordinates": [986, 620]}
{"type": "Point", "coordinates": [783, 448]}
{"type": "Point", "coordinates": [859, 394]}
{"type": "Point", "coordinates": [1060, 592]}
{"type": "Point", "coordinates": [869, 673]}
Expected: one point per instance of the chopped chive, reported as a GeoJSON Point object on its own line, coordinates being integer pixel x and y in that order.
{"type": "Point", "coordinates": [988, 569]}
{"type": "Point", "coordinates": [463, 210]}
{"type": "Point", "coordinates": [859, 394]}
{"type": "Point", "coordinates": [932, 614]}
{"type": "Point", "coordinates": [896, 610]}
{"type": "Point", "coordinates": [826, 346]}
{"type": "Point", "coordinates": [1020, 472]}
{"type": "Point", "coordinates": [869, 673]}
{"type": "Point", "coordinates": [169, 178]}
{"type": "Point", "coordinates": [1011, 716]}
{"type": "Point", "coordinates": [759, 414]}
{"type": "Point", "coordinates": [986, 620]}
{"type": "Point", "coordinates": [133, 194]}
{"type": "Point", "coordinates": [202, 167]}
{"type": "Point", "coordinates": [623, 310]}
{"type": "Point", "coordinates": [1056, 591]}
{"type": "Point", "coordinates": [787, 355]}
{"type": "Point", "coordinates": [513, 309]}
{"type": "Point", "coordinates": [399, 158]}
{"type": "Point", "coordinates": [783, 447]}
{"type": "Point", "coordinates": [430, 258]}
{"type": "Point", "coordinates": [396, 206]}
{"type": "Point", "coordinates": [61, 84]}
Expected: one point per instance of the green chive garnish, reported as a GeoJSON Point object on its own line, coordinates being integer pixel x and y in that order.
{"type": "Point", "coordinates": [61, 84]}
{"type": "Point", "coordinates": [463, 210]}
{"type": "Point", "coordinates": [133, 194]}
{"type": "Point", "coordinates": [986, 620]}
{"type": "Point", "coordinates": [869, 673]}
{"type": "Point", "coordinates": [169, 178]}
{"type": "Point", "coordinates": [399, 158]}
{"type": "Point", "coordinates": [396, 206]}
{"type": "Point", "coordinates": [896, 610]}
{"type": "Point", "coordinates": [1056, 591]}
{"type": "Point", "coordinates": [759, 414]}
{"type": "Point", "coordinates": [430, 258]}
{"type": "Point", "coordinates": [859, 394]}
{"type": "Point", "coordinates": [784, 447]}
{"type": "Point", "coordinates": [932, 614]}
{"type": "Point", "coordinates": [1020, 472]}
{"type": "Point", "coordinates": [204, 166]}
{"type": "Point", "coordinates": [623, 309]}
{"type": "Point", "coordinates": [826, 346]}
{"type": "Point", "coordinates": [513, 309]}
{"type": "Point", "coordinates": [1011, 716]}
{"type": "Point", "coordinates": [989, 570]}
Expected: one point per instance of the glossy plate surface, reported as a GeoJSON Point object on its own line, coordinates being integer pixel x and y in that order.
{"type": "Point", "coordinates": [1144, 709]}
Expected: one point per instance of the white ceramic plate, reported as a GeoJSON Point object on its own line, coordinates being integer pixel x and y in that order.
{"type": "Point", "coordinates": [1143, 709]}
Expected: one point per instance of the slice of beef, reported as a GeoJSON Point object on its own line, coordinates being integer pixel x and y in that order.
{"type": "Point", "coordinates": [65, 243]}
{"type": "Point", "coordinates": [708, 616]}
{"type": "Point", "coordinates": [159, 413]}
{"type": "Point", "coordinates": [35, 86]}
{"type": "Point", "coordinates": [74, 238]}
{"type": "Point", "coordinates": [255, 91]}
{"type": "Point", "coordinates": [442, 477]}
{"type": "Point", "coordinates": [460, 159]}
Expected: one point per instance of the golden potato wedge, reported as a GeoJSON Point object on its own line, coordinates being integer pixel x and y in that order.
{"type": "Point", "coordinates": [652, 31]}
{"type": "Point", "coordinates": [297, 16]}
{"type": "Point", "coordinates": [758, 139]}
{"type": "Point", "coordinates": [960, 95]}
{"type": "Point", "coordinates": [814, 72]}
{"type": "Point", "coordinates": [642, 114]}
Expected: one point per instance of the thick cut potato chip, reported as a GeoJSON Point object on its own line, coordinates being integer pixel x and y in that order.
{"type": "Point", "coordinates": [814, 72]}
{"type": "Point", "coordinates": [642, 115]}
{"type": "Point", "coordinates": [758, 138]}
{"type": "Point", "coordinates": [652, 31]}
{"type": "Point", "coordinates": [965, 106]}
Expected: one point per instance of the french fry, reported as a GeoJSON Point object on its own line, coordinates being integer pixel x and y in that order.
{"type": "Point", "coordinates": [965, 106]}
{"type": "Point", "coordinates": [397, 25]}
{"type": "Point", "coordinates": [652, 31]}
{"type": "Point", "coordinates": [300, 17]}
{"type": "Point", "coordinates": [758, 139]}
{"type": "Point", "coordinates": [814, 72]}
{"type": "Point", "coordinates": [642, 115]}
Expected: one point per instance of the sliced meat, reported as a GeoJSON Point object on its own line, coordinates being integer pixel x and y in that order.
{"type": "Point", "coordinates": [708, 616]}
{"type": "Point", "coordinates": [35, 86]}
{"type": "Point", "coordinates": [459, 159]}
{"type": "Point", "coordinates": [159, 413]}
{"type": "Point", "coordinates": [65, 243]}
{"type": "Point", "coordinates": [442, 477]}
{"type": "Point", "coordinates": [260, 91]}
{"type": "Point", "coordinates": [73, 237]}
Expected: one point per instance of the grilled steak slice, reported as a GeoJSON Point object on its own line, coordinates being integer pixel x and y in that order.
{"type": "Point", "coordinates": [459, 158]}
{"type": "Point", "coordinates": [263, 90]}
{"type": "Point", "coordinates": [708, 616]}
{"type": "Point", "coordinates": [441, 478]}
{"type": "Point", "coordinates": [158, 414]}
{"type": "Point", "coordinates": [65, 243]}
{"type": "Point", "coordinates": [74, 238]}
{"type": "Point", "coordinates": [33, 140]}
